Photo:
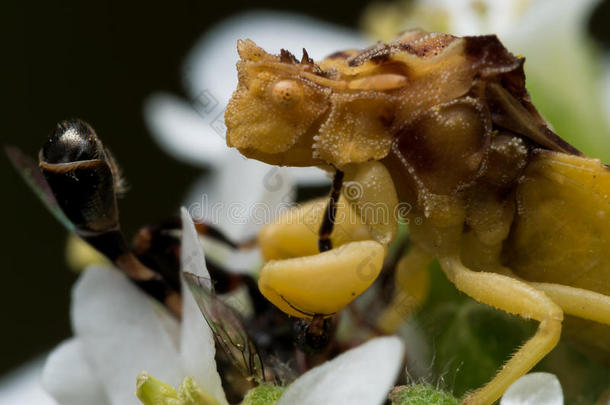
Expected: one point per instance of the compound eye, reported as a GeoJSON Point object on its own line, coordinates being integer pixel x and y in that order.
{"type": "Point", "coordinates": [72, 141]}
{"type": "Point", "coordinates": [287, 93]}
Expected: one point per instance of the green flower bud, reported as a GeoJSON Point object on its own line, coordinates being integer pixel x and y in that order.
{"type": "Point", "coordinates": [190, 393]}
{"type": "Point", "coordinates": [151, 391]}
{"type": "Point", "coordinates": [421, 394]}
{"type": "Point", "coordinates": [264, 394]}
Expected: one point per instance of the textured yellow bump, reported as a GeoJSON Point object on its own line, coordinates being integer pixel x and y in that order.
{"type": "Point", "coordinates": [381, 82]}
{"type": "Point", "coordinates": [323, 283]}
{"type": "Point", "coordinates": [370, 190]}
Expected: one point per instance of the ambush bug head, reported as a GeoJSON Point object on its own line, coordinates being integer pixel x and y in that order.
{"type": "Point", "coordinates": [272, 114]}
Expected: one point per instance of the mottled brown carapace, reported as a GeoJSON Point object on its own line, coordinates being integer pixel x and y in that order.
{"type": "Point", "coordinates": [351, 107]}
{"type": "Point", "coordinates": [446, 115]}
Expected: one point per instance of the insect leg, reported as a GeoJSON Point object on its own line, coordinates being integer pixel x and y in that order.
{"type": "Point", "coordinates": [175, 224]}
{"type": "Point", "coordinates": [370, 191]}
{"type": "Point", "coordinates": [411, 289]}
{"type": "Point", "coordinates": [323, 283]}
{"type": "Point", "coordinates": [516, 297]}
{"type": "Point", "coordinates": [295, 232]}
{"type": "Point", "coordinates": [328, 221]}
{"type": "Point", "coordinates": [158, 247]}
{"type": "Point", "coordinates": [112, 244]}
{"type": "Point", "coordinates": [575, 301]}
{"type": "Point", "coordinates": [302, 282]}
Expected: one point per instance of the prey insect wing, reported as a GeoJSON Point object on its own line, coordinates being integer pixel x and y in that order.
{"type": "Point", "coordinates": [229, 331]}
{"type": "Point", "coordinates": [30, 172]}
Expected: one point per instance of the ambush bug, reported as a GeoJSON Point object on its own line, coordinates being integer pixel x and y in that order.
{"type": "Point", "coordinates": [518, 218]}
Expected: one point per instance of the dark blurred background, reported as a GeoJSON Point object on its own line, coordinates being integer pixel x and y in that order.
{"type": "Point", "coordinates": [98, 60]}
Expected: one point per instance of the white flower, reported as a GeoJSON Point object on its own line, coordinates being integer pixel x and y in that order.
{"type": "Point", "coordinates": [363, 375]}
{"type": "Point", "coordinates": [534, 389]}
{"type": "Point", "coordinates": [22, 386]}
{"type": "Point", "coordinates": [119, 332]}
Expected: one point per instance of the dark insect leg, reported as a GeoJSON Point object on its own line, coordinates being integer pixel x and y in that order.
{"type": "Point", "coordinates": [328, 222]}
{"type": "Point", "coordinates": [215, 233]}
{"type": "Point", "coordinates": [314, 336]}
{"type": "Point", "coordinates": [158, 247]}
{"type": "Point", "coordinates": [112, 244]}
{"type": "Point", "coordinates": [175, 224]}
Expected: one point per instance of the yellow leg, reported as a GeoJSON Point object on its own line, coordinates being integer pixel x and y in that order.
{"type": "Point", "coordinates": [578, 302]}
{"type": "Point", "coordinates": [516, 297]}
{"type": "Point", "coordinates": [295, 232]}
{"type": "Point", "coordinates": [370, 191]}
{"type": "Point", "coordinates": [412, 286]}
{"type": "Point", "coordinates": [574, 301]}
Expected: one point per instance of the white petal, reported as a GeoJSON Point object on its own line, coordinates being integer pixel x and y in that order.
{"type": "Point", "coordinates": [464, 18]}
{"type": "Point", "coordinates": [534, 389]}
{"type": "Point", "coordinates": [182, 130]}
{"type": "Point", "coordinates": [236, 261]}
{"type": "Point", "coordinates": [121, 333]}
{"type": "Point", "coordinates": [241, 197]}
{"type": "Point", "coordinates": [309, 176]}
{"type": "Point", "coordinates": [541, 31]}
{"type": "Point", "coordinates": [192, 259]}
{"type": "Point", "coordinates": [363, 375]}
{"type": "Point", "coordinates": [22, 386]}
{"type": "Point", "coordinates": [68, 377]}
{"type": "Point", "coordinates": [209, 69]}
{"type": "Point", "coordinates": [197, 347]}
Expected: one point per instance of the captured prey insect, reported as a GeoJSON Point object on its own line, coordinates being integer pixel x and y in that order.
{"type": "Point", "coordinates": [518, 218]}
{"type": "Point", "coordinates": [78, 180]}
